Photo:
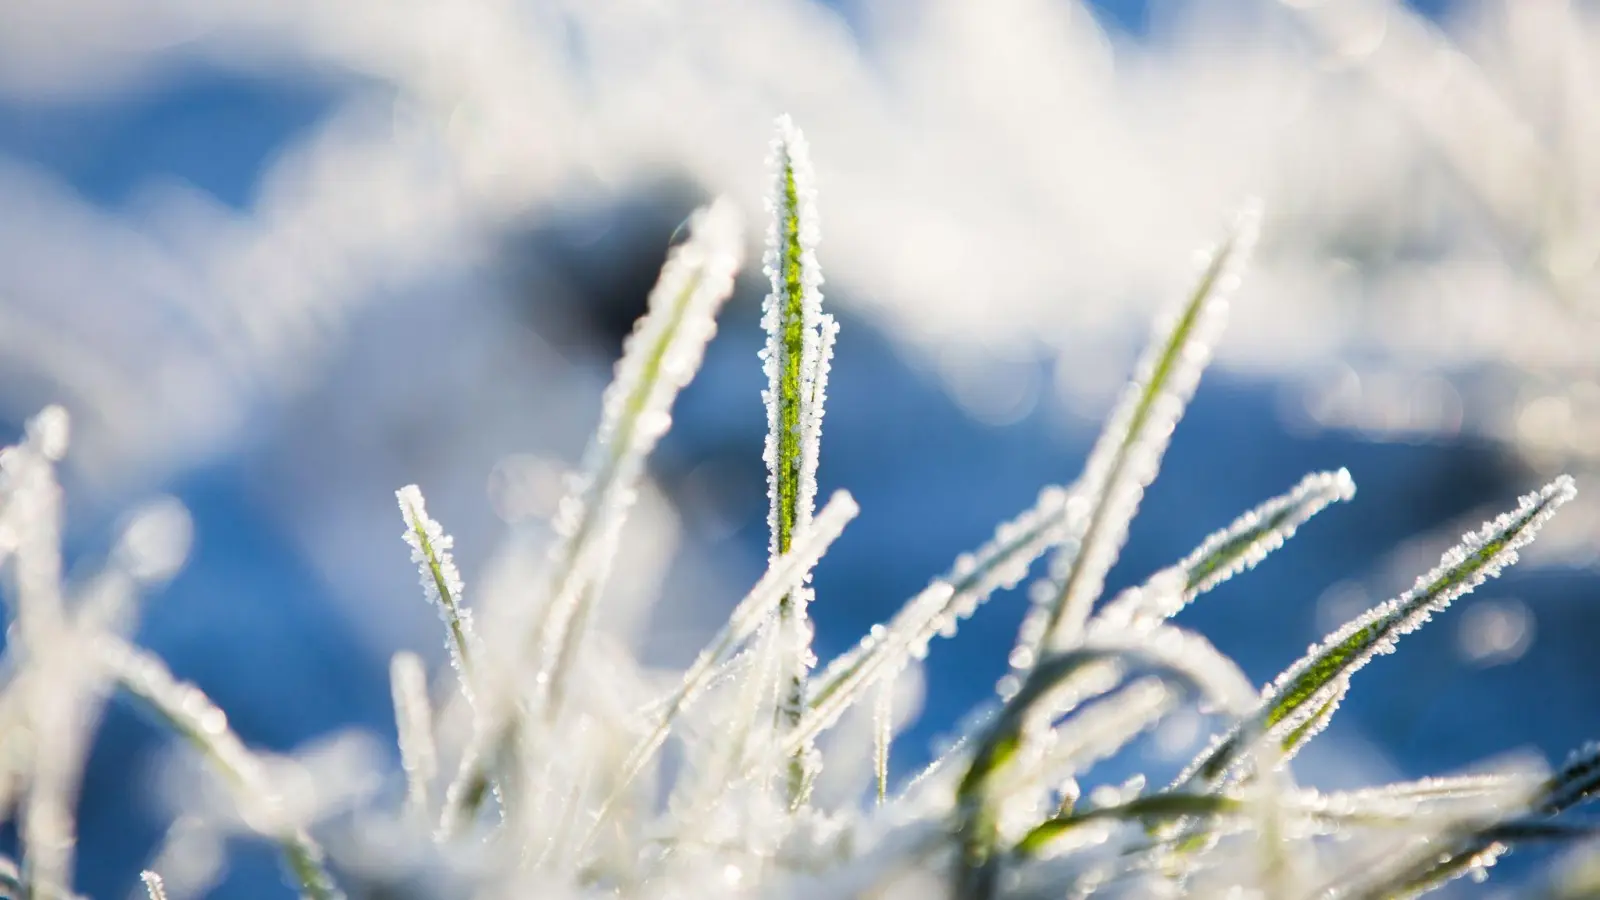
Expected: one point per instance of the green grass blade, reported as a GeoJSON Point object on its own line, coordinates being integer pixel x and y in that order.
{"type": "Point", "coordinates": [1128, 452]}
{"type": "Point", "coordinates": [1143, 810]}
{"type": "Point", "coordinates": [796, 360]}
{"type": "Point", "coordinates": [441, 581]}
{"type": "Point", "coordinates": [1174, 654]}
{"type": "Point", "coordinates": [1240, 546]}
{"type": "Point", "coordinates": [658, 360]}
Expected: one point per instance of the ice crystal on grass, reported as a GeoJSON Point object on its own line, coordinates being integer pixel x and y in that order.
{"type": "Point", "coordinates": [616, 781]}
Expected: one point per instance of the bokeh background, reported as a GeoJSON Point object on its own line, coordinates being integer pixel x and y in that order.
{"type": "Point", "coordinates": [280, 257]}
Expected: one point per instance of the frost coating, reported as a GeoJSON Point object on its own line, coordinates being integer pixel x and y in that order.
{"type": "Point", "coordinates": [1128, 452]}
{"type": "Point", "coordinates": [441, 582]}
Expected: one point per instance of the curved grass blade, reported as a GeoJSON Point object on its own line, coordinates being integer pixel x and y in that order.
{"type": "Point", "coordinates": [192, 715]}
{"type": "Point", "coordinates": [1236, 548]}
{"type": "Point", "coordinates": [1161, 807]}
{"type": "Point", "coordinates": [1174, 654]}
{"type": "Point", "coordinates": [1128, 452]}
{"type": "Point", "coordinates": [1309, 690]}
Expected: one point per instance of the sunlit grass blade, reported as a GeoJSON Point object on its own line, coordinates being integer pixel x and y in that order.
{"type": "Point", "coordinates": [413, 717]}
{"type": "Point", "coordinates": [441, 582]}
{"type": "Point", "coordinates": [192, 716]}
{"type": "Point", "coordinates": [1236, 548]}
{"type": "Point", "coordinates": [939, 608]}
{"type": "Point", "coordinates": [1309, 690]}
{"type": "Point", "coordinates": [1128, 452]}
{"type": "Point", "coordinates": [796, 359]}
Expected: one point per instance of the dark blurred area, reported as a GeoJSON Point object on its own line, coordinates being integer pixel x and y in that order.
{"type": "Point", "coordinates": [476, 354]}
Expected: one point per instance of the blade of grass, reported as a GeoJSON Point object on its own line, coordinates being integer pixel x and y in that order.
{"type": "Point", "coordinates": [1128, 452]}
{"type": "Point", "coordinates": [796, 360]}
{"type": "Point", "coordinates": [1236, 548]}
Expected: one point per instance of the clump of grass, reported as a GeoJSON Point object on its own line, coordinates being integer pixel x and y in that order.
{"type": "Point", "coordinates": [559, 789]}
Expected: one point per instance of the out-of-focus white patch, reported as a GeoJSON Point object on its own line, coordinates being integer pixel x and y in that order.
{"type": "Point", "coordinates": [156, 540]}
{"type": "Point", "coordinates": [1495, 631]}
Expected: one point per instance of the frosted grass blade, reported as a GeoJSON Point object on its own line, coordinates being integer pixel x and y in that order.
{"type": "Point", "coordinates": [441, 582]}
{"type": "Point", "coordinates": [153, 885]}
{"type": "Point", "coordinates": [796, 360]}
{"type": "Point", "coordinates": [1173, 653]}
{"type": "Point", "coordinates": [192, 715]}
{"type": "Point", "coordinates": [1236, 548]}
{"type": "Point", "coordinates": [1309, 690]}
{"type": "Point", "coordinates": [1128, 452]}
{"type": "Point", "coordinates": [413, 716]}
